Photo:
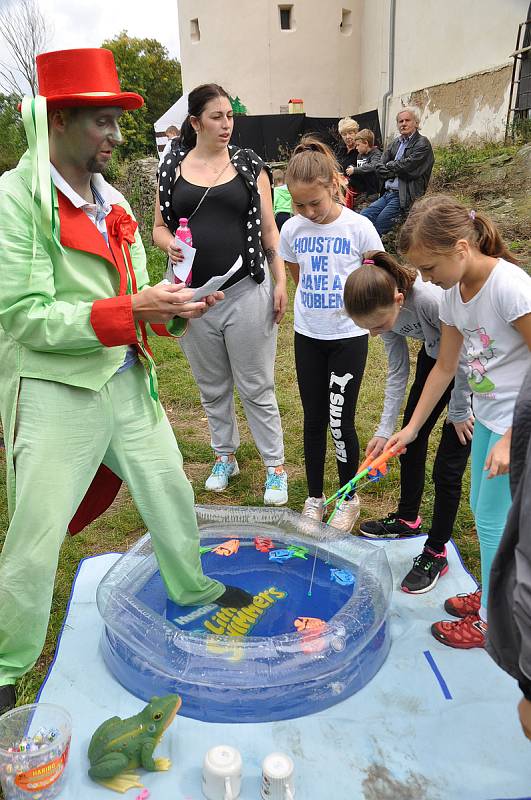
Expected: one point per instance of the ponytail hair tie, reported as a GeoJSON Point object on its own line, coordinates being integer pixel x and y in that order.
{"type": "Point", "coordinates": [472, 215]}
{"type": "Point", "coordinates": [368, 261]}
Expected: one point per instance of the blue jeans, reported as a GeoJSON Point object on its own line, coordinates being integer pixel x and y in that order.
{"type": "Point", "coordinates": [385, 212]}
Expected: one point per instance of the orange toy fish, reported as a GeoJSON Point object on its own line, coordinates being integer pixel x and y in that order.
{"type": "Point", "coordinates": [263, 545]}
{"type": "Point", "coordinates": [307, 626]}
{"type": "Point", "coordinates": [227, 548]}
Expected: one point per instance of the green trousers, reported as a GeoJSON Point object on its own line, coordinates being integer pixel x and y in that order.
{"type": "Point", "coordinates": [62, 435]}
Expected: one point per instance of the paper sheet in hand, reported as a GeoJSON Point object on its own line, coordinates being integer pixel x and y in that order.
{"type": "Point", "coordinates": [181, 269]}
{"type": "Point", "coordinates": [218, 280]}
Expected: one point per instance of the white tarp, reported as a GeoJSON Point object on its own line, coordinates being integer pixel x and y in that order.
{"type": "Point", "coordinates": [434, 723]}
{"type": "Point", "coordinates": [173, 116]}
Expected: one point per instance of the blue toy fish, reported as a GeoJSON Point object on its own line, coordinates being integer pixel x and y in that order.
{"type": "Point", "coordinates": [280, 555]}
{"type": "Point", "coordinates": [342, 576]}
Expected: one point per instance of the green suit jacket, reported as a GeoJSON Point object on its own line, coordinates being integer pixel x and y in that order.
{"type": "Point", "coordinates": [65, 312]}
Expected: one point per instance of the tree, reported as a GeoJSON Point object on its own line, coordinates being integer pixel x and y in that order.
{"type": "Point", "coordinates": [144, 66]}
{"type": "Point", "coordinates": [23, 29]}
{"type": "Point", "coordinates": [12, 137]}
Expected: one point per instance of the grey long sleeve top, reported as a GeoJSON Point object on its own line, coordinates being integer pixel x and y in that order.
{"type": "Point", "coordinates": [418, 319]}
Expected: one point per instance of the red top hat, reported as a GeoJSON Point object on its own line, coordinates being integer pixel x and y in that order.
{"type": "Point", "coordinates": [85, 77]}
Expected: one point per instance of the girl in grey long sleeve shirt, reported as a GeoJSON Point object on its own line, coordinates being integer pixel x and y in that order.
{"type": "Point", "coordinates": [418, 318]}
{"type": "Point", "coordinates": [391, 300]}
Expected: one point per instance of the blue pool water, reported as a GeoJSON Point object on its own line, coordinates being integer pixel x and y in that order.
{"type": "Point", "coordinates": [286, 586]}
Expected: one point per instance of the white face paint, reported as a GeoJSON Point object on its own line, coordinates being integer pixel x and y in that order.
{"type": "Point", "coordinates": [90, 136]}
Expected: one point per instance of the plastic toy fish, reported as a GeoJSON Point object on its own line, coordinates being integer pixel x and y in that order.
{"type": "Point", "coordinates": [263, 545]}
{"type": "Point", "coordinates": [308, 627]}
{"type": "Point", "coordinates": [342, 576]}
{"type": "Point", "coordinates": [280, 555]}
{"type": "Point", "coordinates": [228, 548]}
{"type": "Point", "coordinates": [309, 624]}
{"type": "Point", "coordinates": [299, 551]}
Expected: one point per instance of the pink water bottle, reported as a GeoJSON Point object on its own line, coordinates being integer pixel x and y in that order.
{"type": "Point", "coordinates": [184, 234]}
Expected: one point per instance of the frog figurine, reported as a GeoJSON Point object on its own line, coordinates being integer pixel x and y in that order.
{"type": "Point", "coordinates": [121, 745]}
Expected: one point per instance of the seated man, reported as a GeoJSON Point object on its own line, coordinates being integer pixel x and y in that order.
{"type": "Point", "coordinates": [363, 178]}
{"type": "Point", "coordinates": [406, 168]}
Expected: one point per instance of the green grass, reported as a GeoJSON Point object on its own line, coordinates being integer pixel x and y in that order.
{"type": "Point", "coordinates": [121, 526]}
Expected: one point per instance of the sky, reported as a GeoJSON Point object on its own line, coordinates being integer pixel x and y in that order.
{"type": "Point", "coordinates": [87, 23]}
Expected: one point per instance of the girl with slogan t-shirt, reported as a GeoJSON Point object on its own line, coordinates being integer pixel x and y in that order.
{"type": "Point", "coordinates": [487, 306]}
{"type": "Point", "coordinates": [321, 245]}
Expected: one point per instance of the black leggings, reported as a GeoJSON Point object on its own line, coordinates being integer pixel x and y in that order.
{"type": "Point", "coordinates": [450, 463]}
{"type": "Point", "coordinates": [329, 373]}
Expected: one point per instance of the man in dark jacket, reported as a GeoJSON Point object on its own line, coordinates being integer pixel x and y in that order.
{"type": "Point", "coordinates": [405, 168]}
{"type": "Point", "coordinates": [509, 603]}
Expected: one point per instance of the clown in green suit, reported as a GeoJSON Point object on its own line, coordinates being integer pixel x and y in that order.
{"type": "Point", "coordinates": [78, 390]}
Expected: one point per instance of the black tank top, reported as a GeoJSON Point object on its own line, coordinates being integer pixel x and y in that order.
{"type": "Point", "coordinates": [218, 227]}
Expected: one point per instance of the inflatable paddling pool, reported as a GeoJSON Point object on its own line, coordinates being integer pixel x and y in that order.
{"type": "Point", "coordinates": [316, 632]}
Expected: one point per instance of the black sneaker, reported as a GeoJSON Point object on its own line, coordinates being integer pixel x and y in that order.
{"type": "Point", "coordinates": [426, 571]}
{"type": "Point", "coordinates": [8, 698]}
{"type": "Point", "coordinates": [392, 527]}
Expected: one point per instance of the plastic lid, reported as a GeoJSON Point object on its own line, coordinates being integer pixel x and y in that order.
{"type": "Point", "coordinates": [183, 221]}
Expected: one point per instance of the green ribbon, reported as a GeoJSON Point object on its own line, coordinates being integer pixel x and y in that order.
{"type": "Point", "coordinates": [152, 374]}
{"type": "Point", "coordinates": [152, 369]}
{"type": "Point", "coordinates": [35, 119]}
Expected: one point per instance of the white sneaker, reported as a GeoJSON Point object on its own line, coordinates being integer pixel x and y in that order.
{"type": "Point", "coordinates": [346, 515]}
{"type": "Point", "coordinates": [276, 487]}
{"type": "Point", "coordinates": [314, 508]}
{"type": "Point", "coordinates": [222, 470]}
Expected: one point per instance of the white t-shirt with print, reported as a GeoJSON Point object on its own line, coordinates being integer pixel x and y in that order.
{"type": "Point", "coordinates": [326, 255]}
{"type": "Point", "coordinates": [496, 354]}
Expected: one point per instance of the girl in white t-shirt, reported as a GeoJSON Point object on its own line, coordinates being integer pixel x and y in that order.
{"type": "Point", "coordinates": [487, 306]}
{"type": "Point", "coordinates": [321, 245]}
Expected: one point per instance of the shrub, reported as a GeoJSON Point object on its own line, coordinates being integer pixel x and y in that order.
{"type": "Point", "coordinates": [454, 162]}
{"type": "Point", "coordinates": [12, 136]}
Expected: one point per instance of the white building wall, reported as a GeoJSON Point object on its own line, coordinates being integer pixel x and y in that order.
{"type": "Point", "coordinates": [465, 46]}
{"type": "Point", "coordinates": [374, 52]}
{"type": "Point", "coordinates": [243, 48]}
{"type": "Point", "coordinates": [453, 39]}
{"type": "Point", "coordinates": [452, 58]}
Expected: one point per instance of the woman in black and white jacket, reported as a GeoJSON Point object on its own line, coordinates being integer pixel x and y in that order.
{"type": "Point", "coordinates": [225, 193]}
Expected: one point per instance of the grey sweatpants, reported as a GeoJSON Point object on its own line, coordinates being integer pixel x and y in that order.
{"type": "Point", "coordinates": [235, 344]}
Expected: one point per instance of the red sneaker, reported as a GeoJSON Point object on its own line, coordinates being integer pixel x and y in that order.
{"type": "Point", "coordinates": [463, 604]}
{"type": "Point", "coordinates": [462, 634]}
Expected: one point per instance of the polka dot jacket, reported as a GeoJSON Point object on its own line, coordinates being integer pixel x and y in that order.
{"type": "Point", "coordinates": [247, 164]}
